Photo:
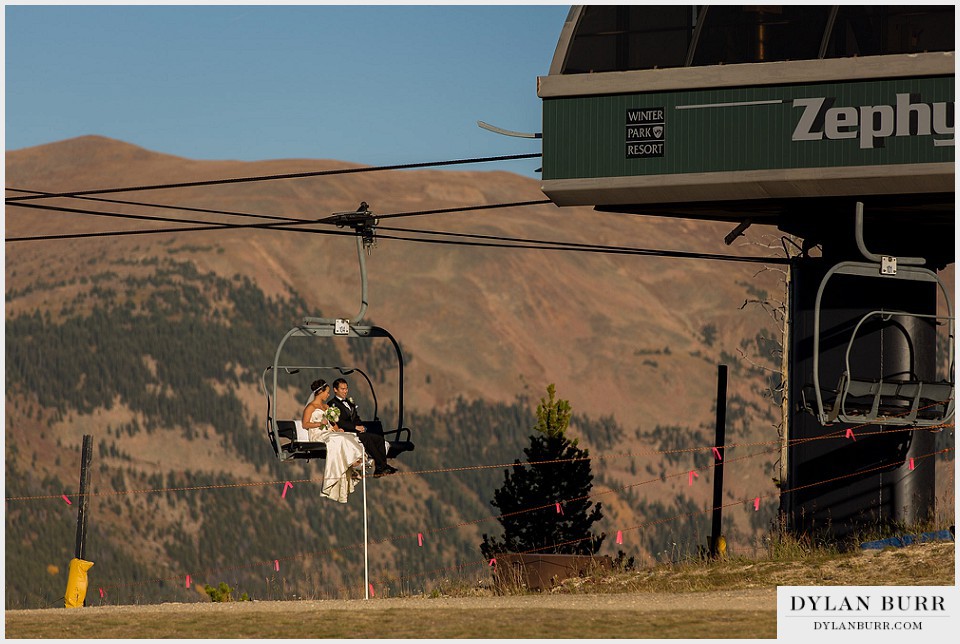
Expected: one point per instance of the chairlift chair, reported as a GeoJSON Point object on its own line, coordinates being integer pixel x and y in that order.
{"type": "Point", "coordinates": [286, 437]}
{"type": "Point", "coordinates": [901, 399]}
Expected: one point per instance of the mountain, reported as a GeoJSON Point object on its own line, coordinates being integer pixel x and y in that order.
{"type": "Point", "coordinates": [154, 344]}
{"type": "Point", "coordinates": [487, 320]}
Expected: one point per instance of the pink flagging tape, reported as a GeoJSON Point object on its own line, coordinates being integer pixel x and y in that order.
{"type": "Point", "coordinates": [101, 593]}
{"type": "Point", "coordinates": [559, 509]}
{"type": "Point", "coordinates": [850, 434]}
{"type": "Point", "coordinates": [276, 565]}
{"type": "Point", "coordinates": [286, 485]}
{"type": "Point", "coordinates": [691, 475]}
{"type": "Point", "coordinates": [619, 536]}
{"type": "Point", "coordinates": [756, 504]}
{"type": "Point", "coordinates": [911, 463]}
{"type": "Point", "coordinates": [64, 497]}
{"type": "Point", "coordinates": [420, 539]}
{"type": "Point", "coordinates": [493, 562]}
{"type": "Point", "coordinates": [188, 581]}
{"type": "Point", "coordinates": [372, 594]}
{"type": "Point", "coordinates": [716, 454]}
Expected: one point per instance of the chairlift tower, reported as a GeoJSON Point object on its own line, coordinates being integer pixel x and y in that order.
{"type": "Point", "coordinates": [836, 125]}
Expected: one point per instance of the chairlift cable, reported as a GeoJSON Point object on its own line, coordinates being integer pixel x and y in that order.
{"type": "Point", "coordinates": [145, 204]}
{"type": "Point", "coordinates": [201, 225]}
{"type": "Point", "coordinates": [444, 211]}
{"type": "Point", "coordinates": [462, 239]}
{"type": "Point", "coordinates": [277, 218]}
{"type": "Point", "coordinates": [577, 246]}
{"type": "Point", "coordinates": [278, 223]}
{"type": "Point", "coordinates": [276, 177]}
{"type": "Point", "coordinates": [519, 244]}
{"type": "Point", "coordinates": [173, 220]}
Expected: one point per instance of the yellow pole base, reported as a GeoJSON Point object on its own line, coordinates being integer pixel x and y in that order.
{"type": "Point", "coordinates": [76, 583]}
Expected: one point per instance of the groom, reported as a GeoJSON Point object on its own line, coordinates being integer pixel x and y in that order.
{"type": "Point", "coordinates": [349, 422]}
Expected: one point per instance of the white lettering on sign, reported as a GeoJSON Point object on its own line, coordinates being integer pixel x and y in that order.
{"type": "Point", "coordinates": [645, 116]}
{"type": "Point", "coordinates": [872, 124]}
{"type": "Point", "coordinates": [645, 132]}
{"type": "Point", "coordinates": [644, 149]}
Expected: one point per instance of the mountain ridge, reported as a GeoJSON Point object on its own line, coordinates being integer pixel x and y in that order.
{"type": "Point", "coordinates": [502, 299]}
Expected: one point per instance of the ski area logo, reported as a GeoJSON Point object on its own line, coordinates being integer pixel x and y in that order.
{"type": "Point", "coordinates": [646, 132]}
{"type": "Point", "coordinates": [873, 124]}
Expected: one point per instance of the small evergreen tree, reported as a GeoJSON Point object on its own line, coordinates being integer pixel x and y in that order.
{"type": "Point", "coordinates": [542, 486]}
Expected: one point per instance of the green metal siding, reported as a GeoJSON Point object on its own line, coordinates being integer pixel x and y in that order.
{"type": "Point", "coordinates": [585, 137]}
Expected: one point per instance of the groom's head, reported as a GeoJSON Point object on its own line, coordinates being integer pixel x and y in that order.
{"type": "Point", "coordinates": [340, 388]}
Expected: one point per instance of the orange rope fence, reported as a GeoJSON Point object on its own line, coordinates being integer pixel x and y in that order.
{"type": "Point", "coordinates": [275, 562]}
{"type": "Point", "coordinates": [467, 468]}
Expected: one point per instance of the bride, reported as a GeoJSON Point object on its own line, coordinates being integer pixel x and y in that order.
{"type": "Point", "coordinates": [343, 449]}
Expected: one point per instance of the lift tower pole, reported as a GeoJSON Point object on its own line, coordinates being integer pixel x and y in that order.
{"type": "Point", "coordinates": [86, 455]}
{"type": "Point", "coordinates": [721, 432]}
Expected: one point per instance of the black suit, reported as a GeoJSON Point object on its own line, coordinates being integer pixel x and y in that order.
{"type": "Point", "coordinates": [372, 443]}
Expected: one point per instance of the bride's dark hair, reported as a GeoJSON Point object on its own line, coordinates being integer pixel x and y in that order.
{"type": "Point", "coordinates": [318, 386]}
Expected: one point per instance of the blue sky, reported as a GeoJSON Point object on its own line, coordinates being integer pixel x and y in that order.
{"type": "Point", "coordinates": [370, 84]}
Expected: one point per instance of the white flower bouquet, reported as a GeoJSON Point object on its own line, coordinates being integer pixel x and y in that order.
{"type": "Point", "coordinates": [332, 414]}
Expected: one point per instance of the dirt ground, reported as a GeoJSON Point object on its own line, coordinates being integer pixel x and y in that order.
{"type": "Point", "coordinates": [738, 614]}
{"type": "Point", "coordinates": [716, 600]}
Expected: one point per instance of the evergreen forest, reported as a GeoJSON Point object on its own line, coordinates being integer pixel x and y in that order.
{"type": "Point", "coordinates": [178, 352]}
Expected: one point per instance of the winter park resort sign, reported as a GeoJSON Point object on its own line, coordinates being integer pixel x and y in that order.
{"type": "Point", "coordinates": [879, 135]}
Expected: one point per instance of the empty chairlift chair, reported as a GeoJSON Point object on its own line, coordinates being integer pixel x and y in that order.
{"type": "Point", "coordinates": [900, 398]}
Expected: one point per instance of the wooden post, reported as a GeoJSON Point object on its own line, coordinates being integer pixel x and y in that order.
{"type": "Point", "coordinates": [718, 459]}
{"type": "Point", "coordinates": [86, 455]}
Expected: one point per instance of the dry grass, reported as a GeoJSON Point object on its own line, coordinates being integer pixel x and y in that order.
{"type": "Point", "coordinates": [723, 599]}
{"type": "Point", "coordinates": [930, 564]}
{"type": "Point", "coordinates": [259, 620]}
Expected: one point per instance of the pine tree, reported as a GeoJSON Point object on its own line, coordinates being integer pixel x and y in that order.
{"type": "Point", "coordinates": [530, 493]}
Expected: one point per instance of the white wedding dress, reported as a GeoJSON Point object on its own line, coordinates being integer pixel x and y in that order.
{"type": "Point", "coordinates": [343, 449]}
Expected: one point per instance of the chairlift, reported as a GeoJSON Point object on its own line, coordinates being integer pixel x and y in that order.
{"type": "Point", "coordinates": [895, 399]}
{"type": "Point", "coordinates": [287, 438]}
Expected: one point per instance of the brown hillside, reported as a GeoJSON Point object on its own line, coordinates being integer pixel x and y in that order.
{"type": "Point", "coordinates": [481, 322]}
{"type": "Point", "coordinates": [619, 335]}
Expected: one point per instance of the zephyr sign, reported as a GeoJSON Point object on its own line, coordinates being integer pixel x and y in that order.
{"type": "Point", "coordinates": [872, 124]}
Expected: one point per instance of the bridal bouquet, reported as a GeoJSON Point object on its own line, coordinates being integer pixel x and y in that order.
{"type": "Point", "coordinates": [333, 414]}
